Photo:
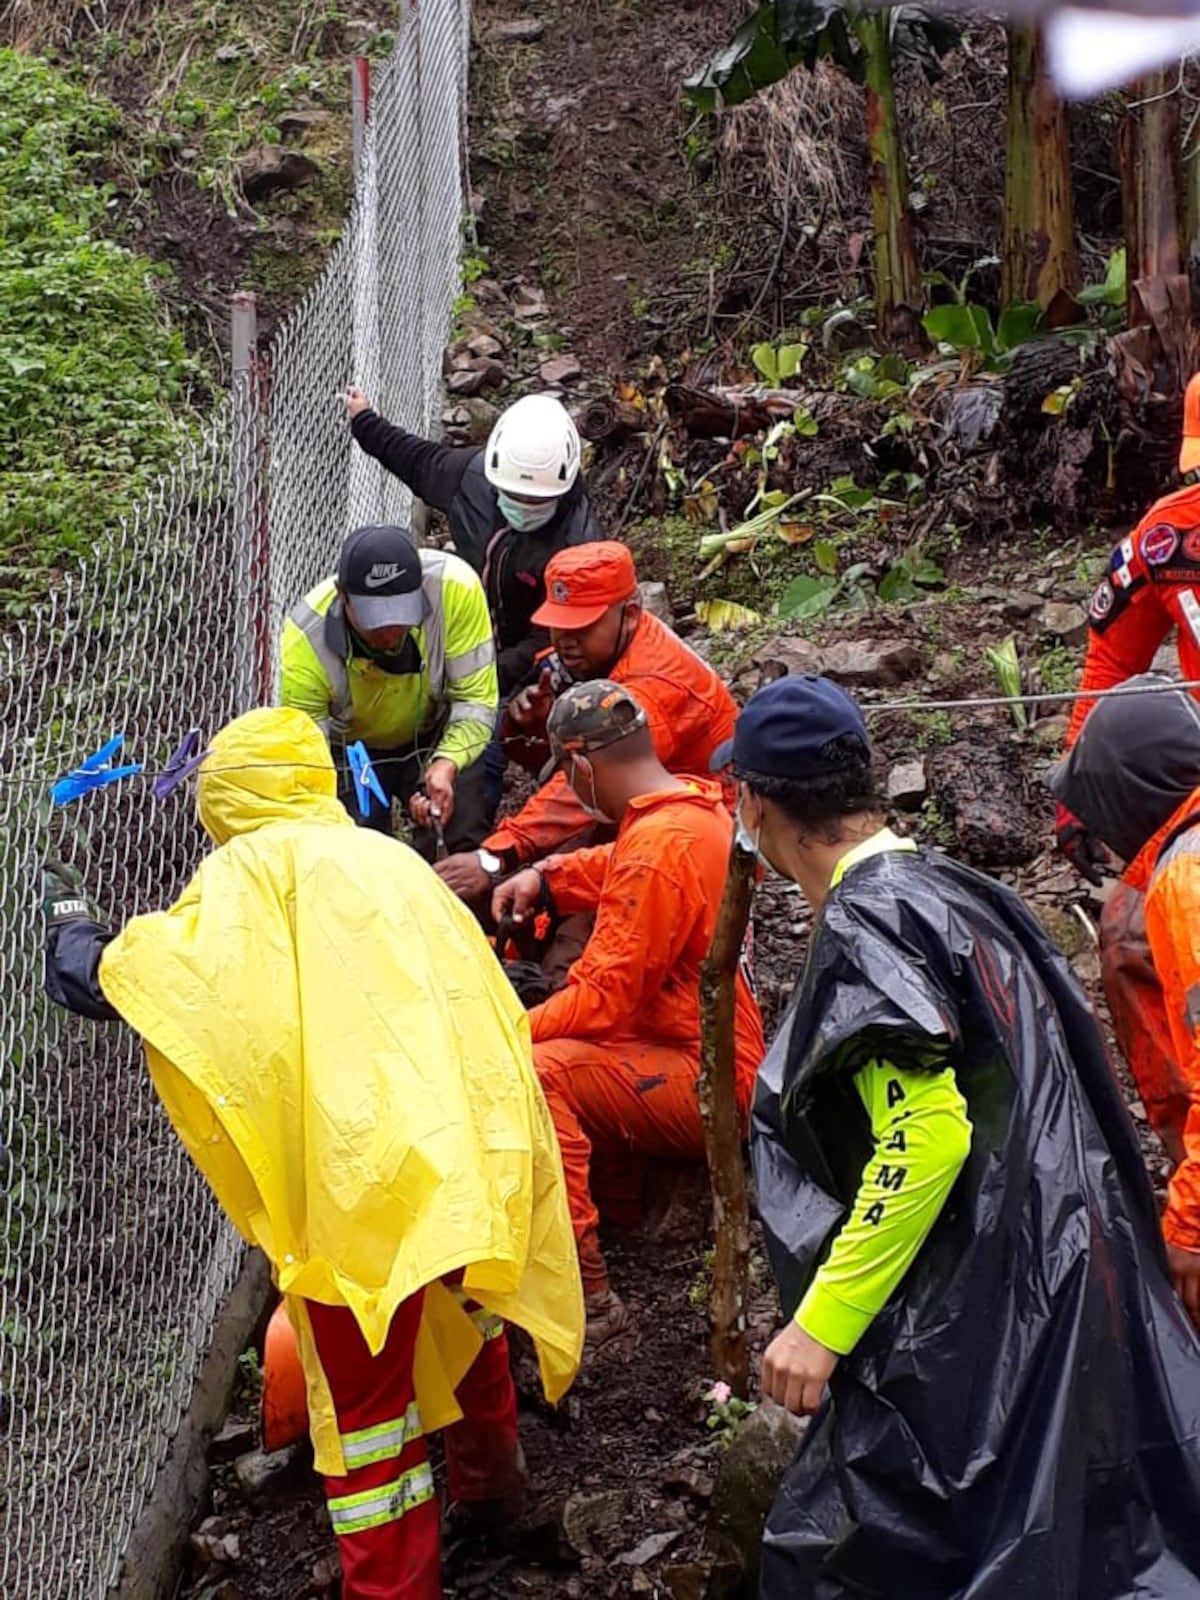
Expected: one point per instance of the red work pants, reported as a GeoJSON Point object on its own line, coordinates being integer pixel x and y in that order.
{"type": "Point", "coordinates": [384, 1510]}
{"type": "Point", "coordinates": [616, 1095]}
{"type": "Point", "coordinates": [1139, 1018]}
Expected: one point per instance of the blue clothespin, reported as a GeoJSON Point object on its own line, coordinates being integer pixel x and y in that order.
{"type": "Point", "coordinates": [97, 772]}
{"type": "Point", "coordinates": [366, 783]}
{"type": "Point", "coordinates": [180, 765]}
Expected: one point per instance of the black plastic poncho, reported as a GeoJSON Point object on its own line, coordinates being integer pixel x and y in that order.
{"type": "Point", "coordinates": [1022, 1420]}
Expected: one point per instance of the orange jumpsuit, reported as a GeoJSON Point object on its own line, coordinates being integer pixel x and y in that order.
{"type": "Point", "coordinates": [690, 712]}
{"type": "Point", "coordinates": [1152, 585]}
{"type": "Point", "coordinates": [618, 1049]}
{"type": "Point", "coordinates": [1173, 929]}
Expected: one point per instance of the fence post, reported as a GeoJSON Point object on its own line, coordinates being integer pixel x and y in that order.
{"type": "Point", "coordinates": [250, 558]}
{"type": "Point", "coordinates": [360, 105]}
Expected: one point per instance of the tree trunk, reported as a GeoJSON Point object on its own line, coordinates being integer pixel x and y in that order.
{"type": "Point", "coordinates": [899, 294]}
{"type": "Point", "coordinates": [1151, 190]}
{"type": "Point", "coordinates": [723, 1127]}
{"type": "Point", "coordinates": [1039, 261]}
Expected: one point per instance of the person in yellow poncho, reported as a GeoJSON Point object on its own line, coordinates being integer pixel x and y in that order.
{"type": "Point", "coordinates": [343, 1058]}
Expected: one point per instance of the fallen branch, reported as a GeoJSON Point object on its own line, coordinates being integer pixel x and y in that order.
{"type": "Point", "coordinates": [607, 419]}
{"type": "Point", "coordinates": [723, 1127]}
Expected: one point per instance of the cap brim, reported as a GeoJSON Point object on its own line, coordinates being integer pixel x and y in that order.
{"type": "Point", "coordinates": [721, 756]}
{"type": "Point", "coordinates": [388, 610]}
{"type": "Point", "coordinates": [1189, 455]}
{"type": "Point", "coordinates": [569, 618]}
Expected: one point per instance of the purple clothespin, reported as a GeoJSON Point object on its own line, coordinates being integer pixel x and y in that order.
{"type": "Point", "coordinates": [97, 772]}
{"type": "Point", "coordinates": [181, 765]}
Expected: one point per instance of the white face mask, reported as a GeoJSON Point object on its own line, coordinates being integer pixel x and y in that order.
{"type": "Point", "coordinates": [745, 839]}
{"type": "Point", "coordinates": [592, 809]}
{"type": "Point", "coordinates": [526, 519]}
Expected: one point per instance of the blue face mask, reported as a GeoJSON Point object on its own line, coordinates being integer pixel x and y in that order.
{"type": "Point", "coordinates": [526, 519]}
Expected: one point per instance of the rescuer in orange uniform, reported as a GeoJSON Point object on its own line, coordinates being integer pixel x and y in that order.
{"type": "Point", "coordinates": [599, 630]}
{"type": "Point", "coordinates": [618, 1049]}
{"type": "Point", "coordinates": [1152, 585]}
{"type": "Point", "coordinates": [1133, 778]}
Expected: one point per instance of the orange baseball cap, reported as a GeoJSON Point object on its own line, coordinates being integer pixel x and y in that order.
{"type": "Point", "coordinates": [1189, 454]}
{"type": "Point", "coordinates": [582, 582]}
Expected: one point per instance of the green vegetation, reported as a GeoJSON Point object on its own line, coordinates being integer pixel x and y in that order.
{"type": "Point", "coordinates": [94, 383]}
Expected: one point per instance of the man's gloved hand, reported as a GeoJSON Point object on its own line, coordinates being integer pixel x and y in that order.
{"type": "Point", "coordinates": [1085, 853]}
{"type": "Point", "coordinates": [64, 898]}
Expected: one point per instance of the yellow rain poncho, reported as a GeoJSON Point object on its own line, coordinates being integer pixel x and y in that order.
{"type": "Point", "coordinates": [340, 1052]}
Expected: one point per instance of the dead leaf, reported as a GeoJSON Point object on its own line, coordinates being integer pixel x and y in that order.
{"type": "Point", "coordinates": [796, 532]}
{"type": "Point", "coordinates": [718, 615]}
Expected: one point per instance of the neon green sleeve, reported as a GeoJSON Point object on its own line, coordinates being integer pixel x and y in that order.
{"type": "Point", "coordinates": [922, 1138]}
{"type": "Point", "coordinates": [471, 686]}
{"type": "Point", "coordinates": [303, 684]}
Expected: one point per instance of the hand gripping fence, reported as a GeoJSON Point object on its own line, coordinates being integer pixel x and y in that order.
{"type": "Point", "coordinates": [115, 1259]}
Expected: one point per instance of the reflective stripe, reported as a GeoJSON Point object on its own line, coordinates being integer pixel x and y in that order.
{"type": "Point", "coordinates": [312, 625]}
{"type": "Point", "coordinates": [472, 711]}
{"type": "Point", "coordinates": [382, 1442]}
{"type": "Point", "coordinates": [471, 661]}
{"type": "Point", "coordinates": [1186, 843]}
{"type": "Point", "coordinates": [489, 1325]}
{"type": "Point", "coordinates": [370, 1508]}
{"type": "Point", "coordinates": [1192, 1008]}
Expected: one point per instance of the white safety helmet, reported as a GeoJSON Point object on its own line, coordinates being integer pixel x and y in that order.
{"type": "Point", "coordinates": [533, 449]}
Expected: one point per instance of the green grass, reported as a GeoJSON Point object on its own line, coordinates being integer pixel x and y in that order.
{"type": "Point", "coordinates": [95, 384]}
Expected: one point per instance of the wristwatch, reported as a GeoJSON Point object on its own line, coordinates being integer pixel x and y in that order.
{"type": "Point", "coordinates": [491, 864]}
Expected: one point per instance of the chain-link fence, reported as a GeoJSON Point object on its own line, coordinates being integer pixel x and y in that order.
{"type": "Point", "coordinates": [116, 1260]}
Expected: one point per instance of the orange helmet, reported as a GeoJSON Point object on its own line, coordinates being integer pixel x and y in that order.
{"type": "Point", "coordinates": [283, 1416]}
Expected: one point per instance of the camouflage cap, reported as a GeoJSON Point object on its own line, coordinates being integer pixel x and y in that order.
{"type": "Point", "coordinates": [590, 716]}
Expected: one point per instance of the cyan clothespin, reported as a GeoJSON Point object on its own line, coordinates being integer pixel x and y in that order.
{"type": "Point", "coordinates": [366, 783]}
{"type": "Point", "coordinates": [97, 772]}
{"type": "Point", "coordinates": [181, 765]}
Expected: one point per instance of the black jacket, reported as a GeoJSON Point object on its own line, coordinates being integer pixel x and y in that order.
{"type": "Point", "coordinates": [1022, 1419]}
{"type": "Point", "coordinates": [512, 565]}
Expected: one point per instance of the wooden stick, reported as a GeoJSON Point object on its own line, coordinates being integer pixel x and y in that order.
{"type": "Point", "coordinates": [723, 1126]}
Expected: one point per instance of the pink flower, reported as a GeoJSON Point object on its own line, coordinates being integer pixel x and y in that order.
{"type": "Point", "coordinates": [720, 1394]}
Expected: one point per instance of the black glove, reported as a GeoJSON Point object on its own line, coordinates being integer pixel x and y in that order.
{"type": "Point", "coordinates": [64, 898]}
{"type": "Point", "coordinates": [1085, 853]}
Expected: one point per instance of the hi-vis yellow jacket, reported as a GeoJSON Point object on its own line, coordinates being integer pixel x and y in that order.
{"type": "Point", "coordinates": [343, 1058]}
{"type": "Point", "coordinates": [452, 696]}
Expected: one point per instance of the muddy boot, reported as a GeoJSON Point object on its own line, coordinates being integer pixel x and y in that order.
{"type": "Point", "coordinates": [611, 1329]}
{"type": "Point", "coordinates": [487, 1521]}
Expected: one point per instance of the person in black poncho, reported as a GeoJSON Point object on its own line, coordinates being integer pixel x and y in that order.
{"type": "Point", "coordinates": [1006, 1390]}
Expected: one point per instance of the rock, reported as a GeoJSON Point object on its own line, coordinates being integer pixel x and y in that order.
{"type": "Point", "coordinates": [234, 1439]}
{"type": "Point", "coordinates": [1018, 605]}
{"type": "Point", "coordinates": [520, 30]}
{"type": "Point", "coordinates": [749, 1470]}
{"type": "Point", "coordinates": [268, 170]}
{"type": "Point", "coordinates": [492, 372]}
{"type": "Point", "coordinates": [295, 124]}
{"type": "Point", "coordinates": [457, 361]}
{"type": "Point", "coordinates": [712, 1577]}
{"type": "Point", "coordinates": [689, 1480]}
{"type": "Point", "coordinates": [473, 416]}
{"type": "Point", "coordinates": [649, 1550]}
{"type": "Point", "coordinates": [483, 344]}
{"type": "Point", "coordinates": [907, 784]}
{"type": "Point", "coordinates": [225, 1590]}
{"type": "Point", "coordinates": [656, 602]}
{"type": "Point", "coordinates": [468, 382]}
{"type": "Point", "coordinates": [213, 1548]}
{"type": "Point", "coordinates": [560, 369]}
{"type": "Point", "coordinates": [529, 303]}
{"type": "Point", "coordinates": [866, 665]}
{"type": "Point", "coordinates": [586, 1516]}
{"type": "Point", "coordinates": [784, 655]}
{"type": "Point", "coordinates": [264, 1475]}
{"type": "Point", "coordinates": [1065, 621]}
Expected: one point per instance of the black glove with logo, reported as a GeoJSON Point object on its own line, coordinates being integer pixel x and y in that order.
{"type": "Point", "coordinates": [64, 898]}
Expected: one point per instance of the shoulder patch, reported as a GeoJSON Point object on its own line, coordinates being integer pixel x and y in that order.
{"type": "Point", "coordinates": [1102, 601]}
{"type": "Point", "coordinates": [1159, 544]}
{"type": "Point", "coordinates": [1191, 545]}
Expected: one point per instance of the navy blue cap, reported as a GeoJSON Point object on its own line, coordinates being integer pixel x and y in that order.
{"type": "Point", "coordinates": [785, 729]}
